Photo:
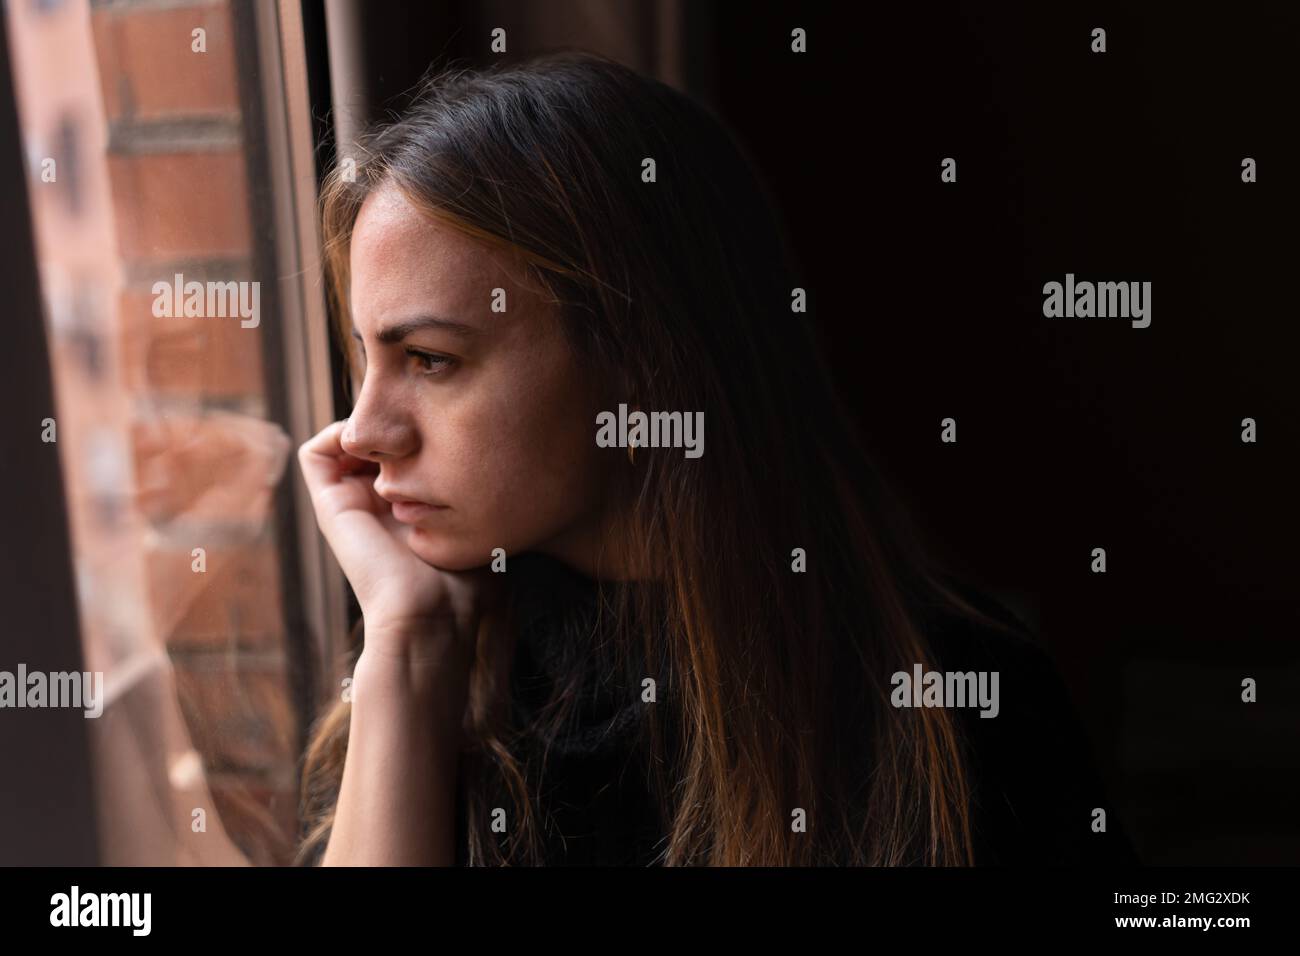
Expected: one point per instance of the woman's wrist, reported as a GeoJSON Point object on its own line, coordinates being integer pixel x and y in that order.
{"type": "Point", "coordinates": [423, 644]}
{"type": "Point", "coordinates": [394, 671]}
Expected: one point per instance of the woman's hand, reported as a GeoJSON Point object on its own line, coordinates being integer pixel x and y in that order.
{"type": "Point", "coordinates": [396, 802]}
{"type": "Point", "coordinates": [413, 611]}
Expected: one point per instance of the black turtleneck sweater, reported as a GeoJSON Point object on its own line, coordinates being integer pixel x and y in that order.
{"type": "Point", "coordinates": [1035, 784]}
{"type": "Point", "coordinates": [593, 796]}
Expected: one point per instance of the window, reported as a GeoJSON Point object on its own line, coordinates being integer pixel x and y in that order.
{"type": "Point", "coordinates": [169, 147]}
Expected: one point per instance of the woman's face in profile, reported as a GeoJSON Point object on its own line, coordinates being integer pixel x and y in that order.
{"type": "Point", "coordinates": [480, 418]}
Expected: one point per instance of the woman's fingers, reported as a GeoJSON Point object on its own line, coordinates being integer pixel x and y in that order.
{"type": "Point", "coordinates": [319, 455]}
{"type": "Point", "coordinates": [324, 461]}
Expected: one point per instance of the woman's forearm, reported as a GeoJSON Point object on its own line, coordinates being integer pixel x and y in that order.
{"type": "Point", "coordinates": [396, 804]}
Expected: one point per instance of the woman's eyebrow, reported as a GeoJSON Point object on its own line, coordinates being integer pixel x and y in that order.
{"type": "Point", "coordinates": [400, 330]}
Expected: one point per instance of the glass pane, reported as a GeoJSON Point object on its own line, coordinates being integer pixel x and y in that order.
{"type": "Point", "coordinates": [139, 140]}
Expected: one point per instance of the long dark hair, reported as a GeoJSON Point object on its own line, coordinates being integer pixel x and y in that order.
{"type": "Point", "coordinates": [677, 295]}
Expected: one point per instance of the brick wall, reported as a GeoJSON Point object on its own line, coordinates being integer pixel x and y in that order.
{"type": "Point", "coordinates": [162, 424]}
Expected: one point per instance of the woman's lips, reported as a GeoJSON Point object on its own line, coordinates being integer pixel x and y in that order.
{"type": "Point", "coordinates": [412, 512]}
{"type": "Point", "coordinates": [409, 510]}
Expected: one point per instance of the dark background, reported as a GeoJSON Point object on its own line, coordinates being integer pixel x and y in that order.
{"type": "Point", "coordinates": [1075, 434]}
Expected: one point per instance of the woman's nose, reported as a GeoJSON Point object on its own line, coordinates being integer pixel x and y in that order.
{"type": "Point", "coordinates": [373, 435]}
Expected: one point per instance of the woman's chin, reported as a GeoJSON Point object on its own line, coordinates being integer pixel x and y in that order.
{"type": "Point", "coordinates": [436, 550]}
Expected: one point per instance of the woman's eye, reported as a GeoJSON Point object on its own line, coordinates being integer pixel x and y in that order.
{"type": "Point", "coordinates": [428, 363]}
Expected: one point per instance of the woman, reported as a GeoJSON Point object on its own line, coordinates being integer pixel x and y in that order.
{"type": "Point", "coordinates": [631, 654]}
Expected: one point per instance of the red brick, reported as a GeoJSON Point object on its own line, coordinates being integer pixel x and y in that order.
{"type": "Point", "coordinates": [172, 206]}
{"type": "Point", "coordinates": [217, 468]}
{"type": "Point", "coordinates": [235, 602]}
{"type": "Point", "coordinates": [148, 70]}
{"type": "Point", "coordinates": [213, 357]}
